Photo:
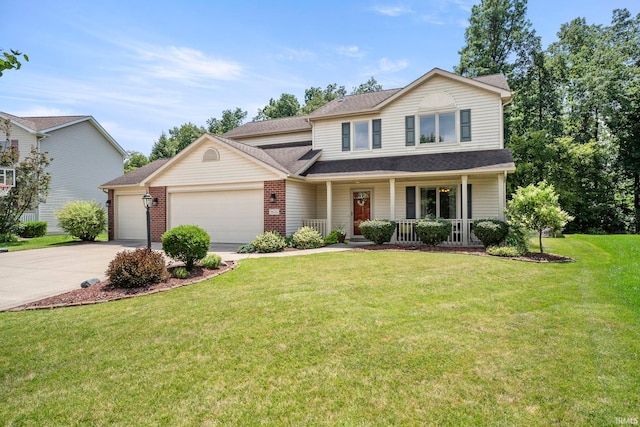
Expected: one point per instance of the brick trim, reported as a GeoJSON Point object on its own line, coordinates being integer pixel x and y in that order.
{"type": "Point", "coordinates": [277, 222]}
{"type": "Point", "coordinates": [158, 213]}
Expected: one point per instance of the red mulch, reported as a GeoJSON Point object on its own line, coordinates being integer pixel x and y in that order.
{"type": "Point", "coordinates": [103, 291]}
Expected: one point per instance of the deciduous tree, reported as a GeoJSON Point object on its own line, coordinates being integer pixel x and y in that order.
{"type": "Point", "coordinates": [230, 119]}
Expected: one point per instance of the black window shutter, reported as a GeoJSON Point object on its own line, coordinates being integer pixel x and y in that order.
{"type": "Point", "coordinates": [377, 133]}
{"type": "Point", "coordinates": [346, 137]}
{"type": "Point", "coordinates": [14, 144]}
{"type": "Point", "coordinates": [410, 130]}
{"type": "Point", "coordinates": [469, 204]}
{"type": "Point", "coordinates": [411, 202]}
{"type": "Point", "coordinates": [465, 125]}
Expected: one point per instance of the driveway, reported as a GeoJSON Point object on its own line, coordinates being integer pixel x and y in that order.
{"type": "Point", "coordinates": [31, 275]}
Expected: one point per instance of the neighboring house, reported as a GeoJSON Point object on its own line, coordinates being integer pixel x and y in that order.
{"type": "Point", "coordinates": [433, 148]}
{"type": "Point", "coordinates": [84, 156]}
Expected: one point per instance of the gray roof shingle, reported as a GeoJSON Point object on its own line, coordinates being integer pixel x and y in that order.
{"type": "Point", "coordinates": [43, 123]}
{"type": "Point", "coordinates": [496, 80]}
{"type": "Point", "coordinates": [272, 126]}
{"type": "Point", "coordinates": [436, 162]}
{"type": "Point", "coordinates": [135, 177]}
{"type": "Point", "coordinates": [353, 103]}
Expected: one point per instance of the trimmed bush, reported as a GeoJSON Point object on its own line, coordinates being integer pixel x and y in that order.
{"type": "Point", "coordinates": [247, 249]}
{"type": "Point", "coordinates": [270, 241]}
{"type": "Point", "coordinates": [307, 238]}
{"type": "Point", "coordinates": [137, 268]}
{"type": "Point", "coordinates": [490, 231]}
{"type": "Point", "coordinates": [334, 237]}
{"type": "Point", "coordinates": [211, 261]}
{"type": "Point", "coordinates": [518, 237]}
{"type": "Point", "coordinates": [433, 231]}
{"type": "Point", "coordinates": [32, 229]}
{"type": "Point", "coordinates": [186, 243]}
{"type": "Point", "coordinates": [378, 230]}
{"type": "Point", "coordinates": [8, 238]}
{"type": "Point", "coordinates": [180, 273]}
{"type": "Point", "coordinates": [504, 251]}
{"type": "Point", "coordinates": [84, 220]}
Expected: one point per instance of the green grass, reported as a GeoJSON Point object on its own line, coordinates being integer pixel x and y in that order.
{"type": "Point", "coordinates": [356, 338]}
{"type": "Point", "coordinates": [46, 242]}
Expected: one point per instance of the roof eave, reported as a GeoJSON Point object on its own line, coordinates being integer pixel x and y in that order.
{"type": "Point", "coordinates": [254, 135]}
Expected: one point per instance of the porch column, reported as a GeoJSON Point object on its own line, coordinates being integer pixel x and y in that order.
{"type": "Point", "coordinates": [502, 198]}
{"type": "Point", "coordinates": [329, 207]}
{"type": "Point", "coordinates": [392, 197]}
{"type": "Point", "coordinates": [465, 212]}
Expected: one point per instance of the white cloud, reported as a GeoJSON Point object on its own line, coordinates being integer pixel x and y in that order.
{"type": "Point", "coordinates": [392, 10]}
{"type": "Point", "coordinates": [430, 19]}
{"type": "Point", "coordinates": [385, 65]}
{"type": "Point", "coordinates": [351, 51]}
{"type": "Point", "coordinates": [41, 111]}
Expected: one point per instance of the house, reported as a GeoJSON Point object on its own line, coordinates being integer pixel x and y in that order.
{"type": "Point", "coordinates": [434, 147]}
{"type": "Point", "coordinates": [84, 156]}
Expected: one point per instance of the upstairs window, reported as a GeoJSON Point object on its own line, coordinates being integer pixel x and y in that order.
{"type": "Point", "coordinates": [362, 135]}
{"type": "Point", "coordinates": [438, 127]}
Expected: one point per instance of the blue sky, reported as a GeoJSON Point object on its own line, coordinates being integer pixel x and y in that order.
{"type": "Point", "coordinates": [142, 67]}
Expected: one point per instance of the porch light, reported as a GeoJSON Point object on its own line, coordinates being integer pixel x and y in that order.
{"type": "Point", "coordinates": [108, 203]}
{"type": "Point", "coordinates": [272, 199]}
{"type": "Point", "coordinates": [147, 200]}
{"type": "Point", "coordinates": [155, 202]}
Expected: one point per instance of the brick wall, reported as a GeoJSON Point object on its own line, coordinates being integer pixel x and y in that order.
{"type": "Point", "coordinates": [275, 222]}
{"type": "Point", "coordinates": [111, 216]}
{"type": "Point", "coordinates": [158, 213]}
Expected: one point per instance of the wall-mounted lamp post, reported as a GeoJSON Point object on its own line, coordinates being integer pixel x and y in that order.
{"type": "Point", "coordinates": [272, 199]}
{"type": "Point", "coordinates": [108, 203]}
{"type": "Point", "coordinates": [147, 200]}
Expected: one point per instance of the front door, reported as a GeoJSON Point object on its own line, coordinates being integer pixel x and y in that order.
{"type": "Point", "coordinates": [361, 209]}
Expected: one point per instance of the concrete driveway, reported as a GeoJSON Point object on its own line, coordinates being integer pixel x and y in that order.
{"type": "Point", "coordinates": [31, 275]}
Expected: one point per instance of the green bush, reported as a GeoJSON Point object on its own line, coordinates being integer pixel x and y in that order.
{"type": "Point", "coordinates": [433, 231]}
{"type": "Point", "coordinates": [378, 230]}
{"type": "Point", "coordinates": [270, 241]}
{"type": "Point", "coordinates": [8, 238]}
{"type": "Point", "coordinates": [518, 237]}
{"type": "Point", "coordinates": [307, 238]}
{"type": "Point", "coordinates": [211, 261]}
{"type": "Point", "coordinates": [84, 220]}
{"type": "Point", "coordinates": [490, 231]}
{"type": "Point", "coordinates": [186, 243]}
{"type": "Point", "coordinates": [137, 268]}
{"type": "Point", "coordinates": [247, 249]}
{"type": "Point", "coordinates": [334, 237]}
{"type": "Point", "coordinates": [32, 229]}
{"type": "Point", "coordinates": [505, 251]}
{"type": "Point", "coordinates": [180, 273]}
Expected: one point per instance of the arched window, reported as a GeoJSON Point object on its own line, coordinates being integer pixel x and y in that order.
{"type": "Point", "coordinates": [211, 155]}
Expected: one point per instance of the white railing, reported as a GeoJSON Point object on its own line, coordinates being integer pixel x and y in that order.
{"type": "Point", "coordinates": [405, 233]}
{"type": "Point", "coordinates": [28, 217]}
{"type": "Point", "coordinates": [318, 224]}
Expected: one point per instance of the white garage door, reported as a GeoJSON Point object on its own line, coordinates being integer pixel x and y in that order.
{"type": "Point", "coordinates": [228, 216]}
{"type": "Point", "coordinates": [131, 218]}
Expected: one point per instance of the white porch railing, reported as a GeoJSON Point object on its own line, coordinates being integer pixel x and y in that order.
{"type": "Point", "coordinates": [405, 233]}
{"type": "Point", "coordinates": [318, 224]}
{"type": "Point", "coordinates": [28, 217]}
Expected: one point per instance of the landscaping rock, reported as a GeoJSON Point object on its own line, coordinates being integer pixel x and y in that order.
{"type": "Point", "coordinates": [89, 282]}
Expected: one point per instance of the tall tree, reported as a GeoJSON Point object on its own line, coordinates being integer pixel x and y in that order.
{"type": "Point", "coordinates": [370, 85]}
{"type": "Point", "coordinates": [184, 135]}
{"type": "Point", "coordinates": [11, 60]}
{"type": "Point", "coordinates": [316, 97]}
{"type": "Point", "coordinates": [162, 148]}
{"type": "Point", "coordinates": [286, 106]}
{"type": "Point", "coordinates": [230, 119]}
{"type": "Point", "coordinates": [134, 161]}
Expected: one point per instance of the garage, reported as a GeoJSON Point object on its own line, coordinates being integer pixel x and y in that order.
{"type": "Point", "coordinates": [228, 216]}
{"type": "Point", "coordinates": [131, 217]}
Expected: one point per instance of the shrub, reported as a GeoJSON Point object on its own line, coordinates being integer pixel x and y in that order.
{"type": "Point", "coordinates": [32, 229]}
{"type": "Point", "coordinates": [307, 238]}
{"type": "Point", "coordinates": [517, 237]}
{"type": "Point", "coordinates": [211, 261]}
{"type": "Point", "coordinates": [186, 243]}
{"type": "Point", "coordinates": [378, 230]}
{"type": "Point", "coordinates": [247, 249]}
{"type": "Point", "coordinates": [490, 231]}
{"type": "Point", "coordinates": [334, 237]}
{"type": "Point", "coordinates": [433, 231]}
{"type": "Point", "coordinates": [84, 220]}
{"type": "Point", "coordinates": [8, 238]}
{"type": "Point", "coordinates": [140, 267]}
{"type": "Point", "coordinates": [270, 241]}
{"type": "Point", "coordinates": [505, 251]}
{"type": "Point", "coordinates": [180, 273]}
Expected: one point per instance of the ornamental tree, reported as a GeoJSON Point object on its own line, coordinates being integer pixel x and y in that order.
{"type": "Point", "coordinates": [536, 207]}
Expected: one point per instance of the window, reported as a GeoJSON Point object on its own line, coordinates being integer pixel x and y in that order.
{"type": "Point", "coordinates": [438, 202]}
{"type": "Point", "coordinates": [438, 127]}
{"type": "Point", "coordinates": [211, 155]}
{"type": "Point", "coordinates": [364, 137]}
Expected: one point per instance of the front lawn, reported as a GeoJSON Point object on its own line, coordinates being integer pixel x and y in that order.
{"type": "Point", "coordinates": [45, 242]}
{"type": "Point", "coordinates": [354, 338]}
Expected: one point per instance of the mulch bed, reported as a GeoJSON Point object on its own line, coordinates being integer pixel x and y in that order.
{"type": "Point", "coordinates": [103, 291]}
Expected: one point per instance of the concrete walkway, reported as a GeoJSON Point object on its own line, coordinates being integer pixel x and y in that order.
{"type": "Point", "coordinates": [31, 275]}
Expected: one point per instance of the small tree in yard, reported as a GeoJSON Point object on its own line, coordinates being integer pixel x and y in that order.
{"type": "Point", "coordinates": [84, 220]}
{"type": "Point", "coordinates": [536, 207]}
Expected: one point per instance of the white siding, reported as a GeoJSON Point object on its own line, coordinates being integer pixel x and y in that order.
{"type": "Point", "coordinates": [276, 139]}
{"type": "Point", "coordinates": [486, 113]}
{"type": "Point", "coordinates": [301, 204]}
{"type": "Point", "coordinates": [82, 160]}
{"type": "Point", "coordinates": [485, 199]}
{"type": "Point", "coordinates": [25, 140]}
{"type": "Point", "coordinates": [232, 167]}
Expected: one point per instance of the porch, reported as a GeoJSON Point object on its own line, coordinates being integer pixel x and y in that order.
{"type": "Point", "coordinates": [461, 234]}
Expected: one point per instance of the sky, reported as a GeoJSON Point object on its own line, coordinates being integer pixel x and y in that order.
{"type": "Point", "coordinates": [143, 67]}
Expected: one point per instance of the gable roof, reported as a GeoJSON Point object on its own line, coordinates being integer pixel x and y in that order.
{"type": "Point", "coordinates": [353, 103]}
{"type": "Point", "coordinates": [136, 176]}
{"type": "Point", "coordinates": [269, 127]}
{"type": "Point", "coordinates": [39, 126]}
{"type": "Point", "coordinates": [464, 161]}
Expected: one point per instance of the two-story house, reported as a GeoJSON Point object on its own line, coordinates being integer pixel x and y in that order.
{"type": "Point", "coordinates": [432, 148]}
{"type": "Point", "coordinates": [84, 156]}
